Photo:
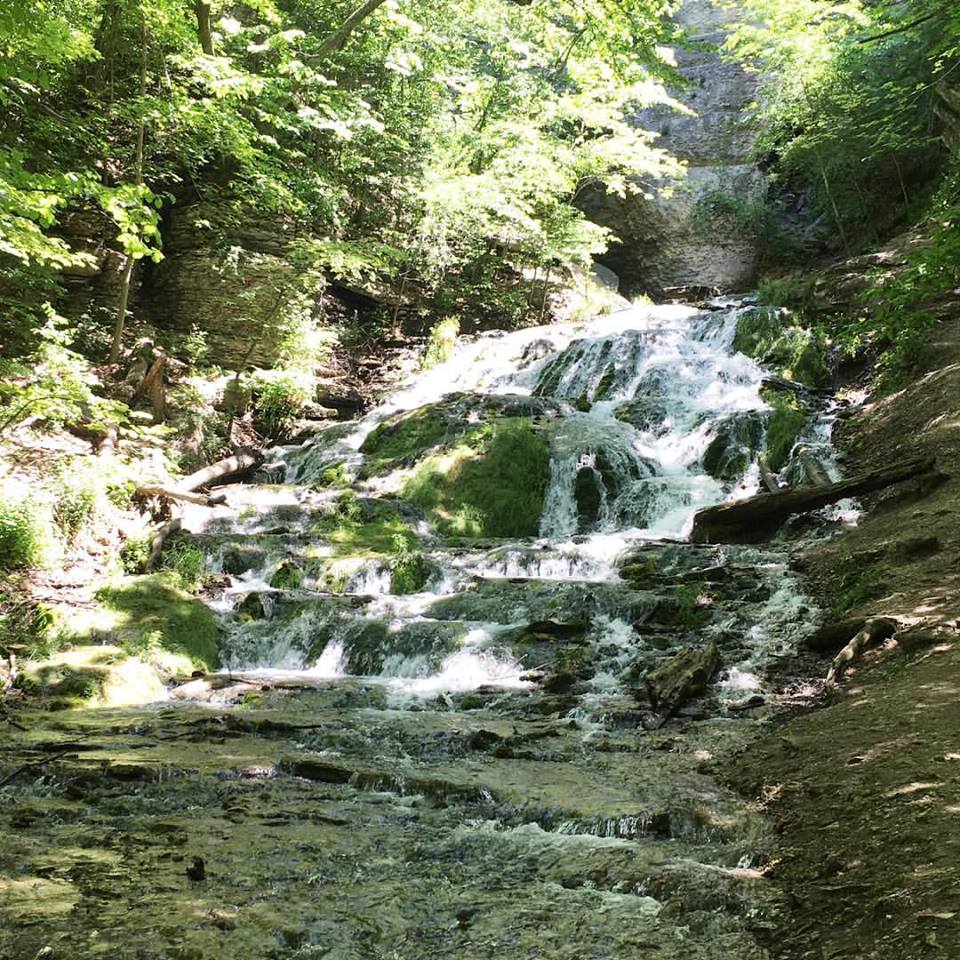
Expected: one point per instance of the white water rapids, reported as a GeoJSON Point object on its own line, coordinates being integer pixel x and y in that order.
{"type": "Point", "coordinates": [636, 400]}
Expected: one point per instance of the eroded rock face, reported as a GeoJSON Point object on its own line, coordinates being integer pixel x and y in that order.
{"type": "Point", "coordinates": [948, 109]}
{"type": "Point", "coordinates": [693, 235]}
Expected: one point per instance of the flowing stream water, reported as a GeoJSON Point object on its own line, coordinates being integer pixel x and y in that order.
{"type": "Point", "coordinates": [474, 770]}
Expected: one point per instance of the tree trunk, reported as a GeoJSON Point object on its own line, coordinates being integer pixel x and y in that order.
{"type": "Point", "coordinates": [216, 471]}
{"type": "Point", "coordinates": [758, 518]}
{"type": "Point", "coordinates": [202, 8]}
{"type": "Point", "coordinates": [138, 179]}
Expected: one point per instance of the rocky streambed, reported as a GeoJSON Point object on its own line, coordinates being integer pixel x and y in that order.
{"type": "Point", "coordinates": [438, 729]}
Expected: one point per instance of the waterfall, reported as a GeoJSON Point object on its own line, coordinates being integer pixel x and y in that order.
{"type": "Point", "coordinates": [648, 414]}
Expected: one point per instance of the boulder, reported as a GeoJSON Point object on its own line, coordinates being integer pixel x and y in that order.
{"type": "Point", "coordinates": [734, 446]}
{"type": "Point", "coordinates": [681, 678]}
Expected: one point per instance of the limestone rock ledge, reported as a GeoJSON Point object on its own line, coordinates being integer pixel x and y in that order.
{"type": "Point", "coordinates": [672, 241]}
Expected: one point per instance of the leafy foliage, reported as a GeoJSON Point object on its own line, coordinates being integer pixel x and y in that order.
{"type": "Point", "coordinates": [444, 143]}
{"type": "Point", "coordinates": [850, 105]}
{"type": "Point", "coordinates": [22, 535]}
{"type": "Point", "coordinates": [441, 343]}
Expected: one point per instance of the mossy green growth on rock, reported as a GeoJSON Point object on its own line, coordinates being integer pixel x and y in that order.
{"type": "Point", "coordinates": [490, 484]}
{"type": "Point", "coordinates": [92, 676]}
{"type": "Point", "coordinates": [288, 576]}
{"type": "Point", "coordinates": [734, 446]}
{"type": "Point", "coordinates": [362, 527]}
{"type": "Point", "coordinates": [786, 421]}
{"type": "Point", "coordinates": [402, 438]}
{"type": "Point", "coordinates": [777, 338]}
{"type": "Point", "coordinates": [154, 613]}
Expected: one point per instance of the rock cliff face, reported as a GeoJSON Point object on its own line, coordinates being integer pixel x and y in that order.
{"type": "Point", "coordinates": [227, 276]}
{"type": "Point", "coordinates": [948, 109]}
{"type": "Point", "coordinates": [688, 237]}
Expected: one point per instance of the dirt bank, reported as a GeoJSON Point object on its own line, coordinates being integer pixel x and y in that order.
{"type": "Point", "coordinates": [865, 793]}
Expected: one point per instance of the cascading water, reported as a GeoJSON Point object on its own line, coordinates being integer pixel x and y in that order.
{"type": "Point", "coordinates": [489, 690]}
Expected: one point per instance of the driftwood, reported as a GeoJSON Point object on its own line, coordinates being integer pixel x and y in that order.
{"type": "Point", "coordinates": [682, 677]}
{"type": "Point", "coordinates": [171, 494]}
{"type": "Point", "coordinates": [229, 467]}
{"type": "Point", "coordinates": [159, 538]}
{"type": "Point", "coordinates": [816, 472]}
{"type": "Point", "coordinates": [873, 631]}
{"type": "Point", "coordinates": [766, 475]}
{"type": "Point", "coordinates": [758, 518]}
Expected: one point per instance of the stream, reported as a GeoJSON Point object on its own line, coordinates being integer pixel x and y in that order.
{"type": "Point", "coordinates": [473, 769]}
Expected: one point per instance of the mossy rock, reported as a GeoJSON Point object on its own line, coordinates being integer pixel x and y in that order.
{"type": "Point", "coordinates": [647, 414]}
{"type": "Point", "coordinates": [737, 441]}
{"type": "Point", "coordinates": [778, 339]}
{"type": "Point", "coordinates": [410, 573]}
{"type": "Point", "coordinates": [155, 611]}
{"type": "Point", "coordinates": [406, 436]}
{"type": "Point", "coordinates": [251, 607]}
{"type": "Point", "coordinates": [784, 425]}
{"type": "Point", "coordinates": [288, 576]}
{"type": "Point", "coordinates": [491, 484]}
{"type": "Point", "coordinates": [367, 526]}
{"type": "Point", "coordinates": [409, 436]}
{"type": "Point", "coordinates": [87, 676]}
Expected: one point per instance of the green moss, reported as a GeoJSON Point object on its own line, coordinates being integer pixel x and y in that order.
{"type": "Point", "coordinates": [360, 528]}
{"type": "Point", "coordinates": [409, 570]}
{"type": "Point", "coordinates": [288, 576]}
{"type": "Point", "coordinates": [784, 425]}
{"type": "Point", "coordinates": [402, 438]}
{"type": "Point", "coordinates": [103, 676]}
{"type": "Point", "coordinates": [778, 339]}
{"type": "Point", "coordinates": [691, 608]}
{"type": "Point", "coordinates": [335, 476]}
{"type": "Point", "coordinates": [491, 484]}
{"type": "Point", "coordinates": [156, 612]}
{"type": "Point", "coordinates": [733, 448]}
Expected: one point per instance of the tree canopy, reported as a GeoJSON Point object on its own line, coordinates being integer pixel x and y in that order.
{"type": "Point", "coordinates": [399, 137]}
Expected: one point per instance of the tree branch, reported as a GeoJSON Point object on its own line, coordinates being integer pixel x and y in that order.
{"type": "Point", "coordinates": [904, 27]}
{"type": "Point", "coordinates": [340, 36]}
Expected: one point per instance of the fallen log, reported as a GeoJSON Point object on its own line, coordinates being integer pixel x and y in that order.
{"type": "Point", "coordinates": [766, 475]}
{"type": "Point", "coordinates": [831, 636]}
{"type": "Point", "coordinates": [171, 494]}
{"type": "Point", "coordinates": [681, 678]}
{"type": "Point", "coordinates": [758, 518]}
{"type": "Point", "coordinates": [873, 631]}
{"type": "Point", "coordinates": [228, 467]}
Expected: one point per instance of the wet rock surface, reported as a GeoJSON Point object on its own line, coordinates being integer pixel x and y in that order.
{"type": "Point", "coordinates": [484, 761]}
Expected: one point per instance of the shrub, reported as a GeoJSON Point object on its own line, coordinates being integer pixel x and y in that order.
{"type": "Point", "coordinates": [441, 343]}
{"type": "Point", "coordinates": [75, 504]}
{"type": "Point", "coordinates": [135, 554]}
{"type": "Point", "coordinates": [279, 397]}
{"type": "Point", "coordinates": [187, 561]}
{"type": "Point", "coordinates": [25, 621]}
{"type": "Point", "coordinates": [23, 535]}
